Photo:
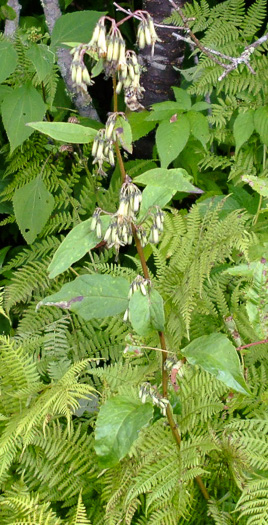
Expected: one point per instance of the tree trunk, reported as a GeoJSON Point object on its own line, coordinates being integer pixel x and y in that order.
{"type": "Point", "coordinates": [160, 74]}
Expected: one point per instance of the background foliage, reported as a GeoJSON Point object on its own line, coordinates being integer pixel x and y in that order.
{"type": "Point", "coordinates": [77, 445]}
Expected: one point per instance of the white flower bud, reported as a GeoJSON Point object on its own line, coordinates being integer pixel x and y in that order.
{"type": "Point", "coordinates": [116, 49]}
{"type": "Point", "coordinates": [93, 223]}
{"type": "Point", "coordinates": [107, 234]}
{"type": "Point", "coordinates": [143, 289]}
{"type": "Point", "coordinates": [119, 87]}
{"type": "Point", "coordinates": [126, 315]}
{"type": "Point", "coordinates": [96, 33]}
{"type": "Point", "coordinates": [73, 71]}
{"type": "Point", "coordinates": [98, 229]}
{"type": "Point", "coordinates": [110, 50]}
{"type": "Point", "coordinates": [78, 78]}
{"type": "Point", "coordinates": [147, 34]}
{"type": "Point", "coordinates": [131, 71]}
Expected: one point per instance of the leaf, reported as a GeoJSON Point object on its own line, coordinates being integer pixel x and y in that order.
{"type": "Point", "coordinates": [92, 296]}
{"type": "Point", "coordinates": [171, 139]}
{"type": "Point", "coordinates": [257, 183]}
{"type": "Point", "coordinates": [75, 27]}
{"type": "Point", "coordinates": [124, 133]}
{"type": "Point", "coordinates": [261, 123]}
{"type": "Point", "coordinates": [200, 106]}
{"type": "Point", "coordinates": [117, 427]}
{"type": "Point", "coordinates": [33, 204]}
{"type": "Point", "coordinates": [9, 59]}
{"type": "Point", "coordinates": [199, 126]}
{"type": "Point", "coordinates": [65, 131]}
{"type": "Point", "coordinates": [163, 110]}
{"type": "Point", "coordinates": [76, 244]}
{"type": "Point", "coordinates": [146, 312]}
{"type": "Point", "coordinates": [139, 125]}
{"type": "Point", "coordinates": [182, 98]}
{"type": "Point", "coordinates": [176, 178]}
{"type": "Point", "coordinates": [243, 128]}
{"type": "Point", "coordinates": [217, 355]}
{"type": "Point", "coordinates": [19, 107]}
{"type": "Point", "coordinates": [97, 69]}
{"type": "Point", "coordinates": [42, 59]}
{"type": "Point", "coordinates": [162, 185]}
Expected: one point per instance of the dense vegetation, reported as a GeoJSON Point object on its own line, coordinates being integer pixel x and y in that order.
{"type": "Point", "coordinates": [134, 297]}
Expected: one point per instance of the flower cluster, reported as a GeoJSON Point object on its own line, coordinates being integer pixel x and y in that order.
{"type": "Point", "coordinates": [119, 232]}
{"type": "Point", "coordinates": [80, 75]}
{"type": "Point", "coordinates": [102, 150]}
{"type": "Point", "coordinates": [139, 283]}
{"type": "Point", "coordinates": [146, 390]}
{"type": "Point", "coordinates": [157, 226]}
{"type": "Point", "coordinates": [146, 34]}
{"type": "Point", "coordinates": [96, 223]}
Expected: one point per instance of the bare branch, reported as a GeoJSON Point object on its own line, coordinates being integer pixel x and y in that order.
{"type": "Point", "coordinates": [81, 100]}
{"type": "Point", "coordinates": [12, 25]}
{"type": "Point", "coordinates": [129, 14]}
{"type": "Point", "coordinates": [244, 58]}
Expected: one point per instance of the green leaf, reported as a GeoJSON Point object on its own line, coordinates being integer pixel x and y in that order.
{"type": "Point", "coordinates": [33, 204]}
{"type": "Point", "coordinates": [139, 125]}
{"type": "Point", "coordinates": [217, 355]}
{"type": "Point", "coordinates": [261, 123]}
{"type": "Point", "coordinates": [124, 133]}
{"type": "Point", "coordinates": [65, 131]}
{"type": "Point", "coordinates": [257, 184]}
{"type": "Point", "coordinates": [182, 98]}
{"type": "Point", "coordinates": [92, 296]}
{"type": "Point", "coordinates": [42, 59]}
{"type": "Point", "coordinates": [199, 126]}
{"type": "Point", "coordinates": [243, 128]}
{"type": "Point", "coordinates": [19, 107]}
{"type": "Point", "coordinates": [163, 110]}
{"type": "Point", "coordinates": [75, 27]}
{"type": "Point", "coordinates": [162, 185]}
{"type": "Point", "coordinates": [9, 59]}
{"type": "Point", "coordinates": [97, 69]}
{"type": "Point", "coordinates": [200, 106]}
{"type": "Point", "coordinates": [78, 242]}
{"type": "Point", "coordinates": [171, 137]}
{"type": "Point", "coordinates": [8, 12]}
{"type": "Point", "coordinates": [146, 312]}
{"type": "Point", "coordinates": [176, 178]}
{"type": "Point", "coordinates": [117, 427]}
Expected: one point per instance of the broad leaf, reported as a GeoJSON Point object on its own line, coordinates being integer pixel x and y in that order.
{"type": "Point", "coordinates": [200, 106]}
{"type": "Point", "coordinates": [261, 123]}
{"type": "Point", "coordinates": [117, 427]}
{"type": "Point", "coordinates": [75, 27]}
{"type": "Point", "coordinates": [19, 107]}
{"type": "Point", "coordinates": [243, 128]}
{"type": "Point", "coordinates": [163, 110]}
{"type": "Point", "coordinates": [146, 312]}
{"type": "Point", "coordinates": [77, 243]}
{"type": "Point", "coordinates": [182, 98]}
{"type": "Point", "coordinates": [199, 126]}
{"type": "Point", "coordinates": [33, 204]}
{"type": "Point", "coordinates": [65, 131]}
{"type": "Point", "coordinates": [9, 59]}
{"type": "Point", "coordinates": [42, 59]}
{"type": "Point", "coordinates": [139, 125]}
{"type": "Point", "coordinates": [162, 185]}
{"type": "Point", "coordinates": [257, 183]}
{"type": "Point", "coordinates": [171, 137]}
{"type": "Point", "coordinates": [217, 355]}
{"type": "Point", "coordinates": [176, 178]}
{"type": "Point", "coordinates": [92, 296]}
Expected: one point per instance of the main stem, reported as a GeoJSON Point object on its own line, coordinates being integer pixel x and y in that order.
{"type": "Point", "coordinates": [170, 418]}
